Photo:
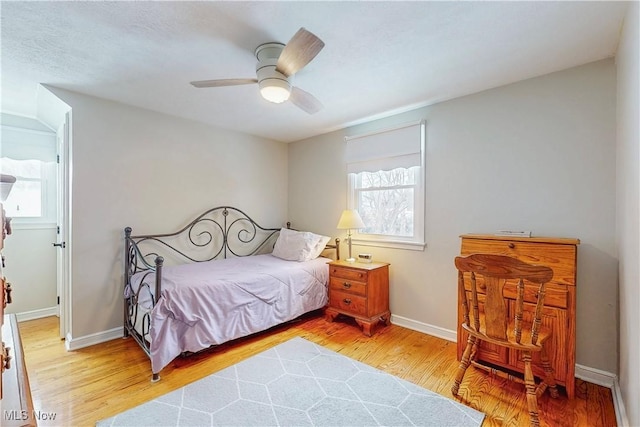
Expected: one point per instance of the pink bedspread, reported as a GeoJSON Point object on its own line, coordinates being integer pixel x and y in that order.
{"type": "Point", "coordinates": [209, 303]}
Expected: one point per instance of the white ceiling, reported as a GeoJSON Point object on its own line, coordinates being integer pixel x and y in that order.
{"type": "Point", "coordinates": [379, 58]}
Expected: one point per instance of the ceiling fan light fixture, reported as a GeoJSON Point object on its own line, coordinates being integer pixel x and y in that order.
{"type": "Point", "coordinates": [277, 64]}
{"type": "Point", "coordinates": [275, 90]}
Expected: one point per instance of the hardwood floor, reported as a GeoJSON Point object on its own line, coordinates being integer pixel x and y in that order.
{"type": "Point", "coordinates": [84, 386]}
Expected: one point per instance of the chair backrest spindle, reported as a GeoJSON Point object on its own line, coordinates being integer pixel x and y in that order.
{"type": "Point", "coordinates": [474, 302]}
{"type": "Point", "coordinates": [537, 320]}
{"type": "Point", "coordinates": [519, 310]}
{"type": "Point", "coordinates": [463, 295]}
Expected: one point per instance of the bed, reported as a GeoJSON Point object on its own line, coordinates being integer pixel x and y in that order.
{"type": "Point", "coordinates": [221, 277]}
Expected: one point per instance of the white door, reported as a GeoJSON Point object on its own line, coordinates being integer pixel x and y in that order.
{"type": "Point", "coordinates": [62, 240]}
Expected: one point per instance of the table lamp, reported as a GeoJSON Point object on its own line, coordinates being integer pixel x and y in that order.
{"type": "Point", "coordinates": [349, 220]}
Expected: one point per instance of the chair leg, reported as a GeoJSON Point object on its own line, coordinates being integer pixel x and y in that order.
{"type": "Point", "coordinates": [549, 374]}
{"type": "Point", "coordinates": [474, 349]}
{"type": "Point", "coordinates": [464, 364]}
{"type": "Point", "coordinates": [530, 385]}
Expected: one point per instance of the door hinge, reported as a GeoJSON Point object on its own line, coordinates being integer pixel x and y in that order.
{"type": "Point", "coordinates": [58, 158]}
{"type": "Point", "coordinates": [58, 300]}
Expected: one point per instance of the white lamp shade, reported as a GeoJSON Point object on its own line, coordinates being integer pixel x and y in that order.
{"type": "Point", "coordinates": [350, 219]}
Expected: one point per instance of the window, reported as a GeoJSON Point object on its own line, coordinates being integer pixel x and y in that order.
{"type": "Point", "coordinates": [30, 156]}
{"type": "Point", "coordinates": [386, 186]}
{"type": "Point", "coordinates": [33, 194]}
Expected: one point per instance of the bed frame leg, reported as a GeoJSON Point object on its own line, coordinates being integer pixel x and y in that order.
{"type": "Point", "coordinates": [155, 378]}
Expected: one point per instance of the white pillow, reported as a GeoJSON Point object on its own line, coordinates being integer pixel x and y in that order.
{"type": "Point", "coordinates": [295, 245]}
{"type": "Point", "coordinates": [322, 243]}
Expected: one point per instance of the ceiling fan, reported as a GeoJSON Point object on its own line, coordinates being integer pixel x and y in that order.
{"type": "Point", "coordinates": [277, 63]}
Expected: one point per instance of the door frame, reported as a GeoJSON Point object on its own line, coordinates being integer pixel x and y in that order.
{"type": "Point", "coordinates": [63, 258]}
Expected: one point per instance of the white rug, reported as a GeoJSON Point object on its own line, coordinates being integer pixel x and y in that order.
{"type": "Point", "coordinates": [299, 383]}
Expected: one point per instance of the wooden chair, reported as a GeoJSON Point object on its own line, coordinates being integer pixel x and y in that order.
{"type": "Point", "coordinates": [499, 325]}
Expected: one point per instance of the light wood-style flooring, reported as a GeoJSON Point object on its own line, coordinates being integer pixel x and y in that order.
{"type": "Point", "coordinates": [84, 386]}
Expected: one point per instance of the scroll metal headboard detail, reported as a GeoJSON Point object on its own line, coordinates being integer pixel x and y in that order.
{"type": "Point", "coordinates": [218, 232]}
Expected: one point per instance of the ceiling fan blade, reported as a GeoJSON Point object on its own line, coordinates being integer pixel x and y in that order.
{"type": "Point", "coordinates": [301, 49]}
{"type": "Point", "coordinates": [223, 82]}
{"type": "Point", "coordinates": [305, 101]}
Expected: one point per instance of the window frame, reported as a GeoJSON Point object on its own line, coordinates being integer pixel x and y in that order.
{"type": "Point", "coordinates": [417, 241]}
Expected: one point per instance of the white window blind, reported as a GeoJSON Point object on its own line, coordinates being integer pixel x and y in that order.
{"type": "Point", "coordinates": [25, 144]}
{"type": "Point", "coordinates": [388, 149]}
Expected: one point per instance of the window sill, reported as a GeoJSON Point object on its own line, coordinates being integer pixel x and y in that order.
{"type": "Point", "coordinates": [32, 225]}
{"type": "Point", "coordinates": [392, 244]}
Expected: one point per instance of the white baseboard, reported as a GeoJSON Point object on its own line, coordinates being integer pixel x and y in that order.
{"type": "Point", "coordinates": [92, 339]}
{"type": "Point", "coordinates": [618, 405]}
{"type": "Point", "coordinates": [609, 380]}
{"type": "Point", "coordinates": [37, 314]}
{"type": "Point", "coordinates": [595, 376]}
{"type": "Point", "coordinates": [425, 328]}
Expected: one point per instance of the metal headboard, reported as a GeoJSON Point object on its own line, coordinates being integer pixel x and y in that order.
{"type": "Point", "coordinates": [217, 233]}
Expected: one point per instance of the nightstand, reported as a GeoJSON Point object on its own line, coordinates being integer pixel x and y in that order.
{"type": "Point", "coordinates": [361, 291]}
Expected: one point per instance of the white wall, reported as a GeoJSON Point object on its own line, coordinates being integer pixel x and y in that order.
{"type": "Point", "coordinates": [153, 172]}
{"type": "Point", "coordinates": [628, 194]}
{"type": "Point", "coordinates": [535, 155]}
{"type": "Point", "coordinates": [31, 270]}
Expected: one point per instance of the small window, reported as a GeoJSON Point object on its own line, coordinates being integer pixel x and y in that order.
{"type": "Point", "coordinates": [32, 198]}
{"type": "Point", "coordinates": [386, 186]}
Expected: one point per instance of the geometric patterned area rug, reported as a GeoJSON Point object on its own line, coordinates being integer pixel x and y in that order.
{"type": "Point", "coordinates": [299, 383]}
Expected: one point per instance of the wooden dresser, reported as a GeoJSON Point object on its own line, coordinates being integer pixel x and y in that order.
{"type": "Point", "coordinates": [559, 314]}
{"type": "Point", "coordinates": [15, 393]}
{"type": "Point", "coordinates": [361, 291]}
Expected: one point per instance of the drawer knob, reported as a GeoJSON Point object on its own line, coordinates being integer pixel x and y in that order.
{"type": "Point", "coordinates": [511, 245]}
{"type": "Point", "coordinates": [346, 301]}
{"type": "Point", "coordinates": [346, 285]}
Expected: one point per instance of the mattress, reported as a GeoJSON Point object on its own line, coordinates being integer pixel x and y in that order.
{"type": "Point", "coordinates": [208, 303]}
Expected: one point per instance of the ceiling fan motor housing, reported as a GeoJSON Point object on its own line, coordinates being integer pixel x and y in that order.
{"type": "Point", "coordinates": [274, 86]}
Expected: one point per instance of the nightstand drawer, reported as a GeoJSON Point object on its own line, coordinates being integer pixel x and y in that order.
{"type": "Point", "coordinates": [348, 302]}
{"type": "Point", "coordinates": [348, 273]}
{"type": "Point", "coordinates": [346, 285]}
